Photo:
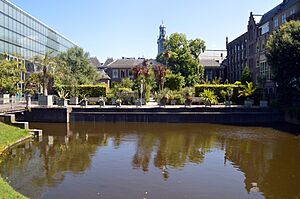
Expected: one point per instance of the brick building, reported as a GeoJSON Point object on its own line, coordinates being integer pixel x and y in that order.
{"type": "Point", "coordinates": [249, 48]}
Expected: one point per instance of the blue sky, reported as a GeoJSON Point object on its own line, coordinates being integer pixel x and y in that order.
{"type": "Point", "coordinates": [129, 28]}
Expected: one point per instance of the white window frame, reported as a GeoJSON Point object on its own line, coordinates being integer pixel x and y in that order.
{"type": "Point", "coordinates": [115, 73]}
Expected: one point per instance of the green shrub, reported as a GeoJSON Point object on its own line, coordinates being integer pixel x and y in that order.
{"type": "Point", "coordinates": [85, 90]}
{"type": "Point", "coordinates": [218, 88]}
{"type": "Point", "coordinates": [174, 82]}
{"type": "Point", "coordinates": [93, 90]}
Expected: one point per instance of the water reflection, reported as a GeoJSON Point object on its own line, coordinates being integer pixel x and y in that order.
{"type": "Point", "coordinates": [269, 160]}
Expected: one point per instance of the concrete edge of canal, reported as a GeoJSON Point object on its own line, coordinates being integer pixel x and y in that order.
{"type": "Point", "coordinates": [230, 115]}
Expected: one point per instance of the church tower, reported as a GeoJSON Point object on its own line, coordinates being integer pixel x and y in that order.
{"type": "Point", "coordinates": [161, 38]}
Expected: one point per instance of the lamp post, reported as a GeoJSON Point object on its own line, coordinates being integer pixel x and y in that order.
{"type": "Point", "coordinates": [141, 100]}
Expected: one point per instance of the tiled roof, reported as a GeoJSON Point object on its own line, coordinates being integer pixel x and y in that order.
{"type": "Point", "coordinates": [210, 63]}
{"type": "Point", "coordinates": [269, 15]}
{"type": "Point", "coordinates": [95, 62]}
{"type": "Point", "coordinates": [108, 61]}
{"type": "Point", "coordinates": [125, 63]}
{"type": "Point", "coordinates": [103, 75]}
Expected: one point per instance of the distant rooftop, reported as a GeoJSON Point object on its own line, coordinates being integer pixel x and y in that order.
{"type": "Point", "coordinates": [125, 63]}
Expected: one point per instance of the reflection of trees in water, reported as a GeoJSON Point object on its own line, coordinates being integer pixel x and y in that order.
{"type": "Point", "coordinates": [270, 161]}
{"type": "Point", "coordinates": [170, 149]}
{"type": "Point", "coordinates": [266, 158]}
{"type": "Point", "coordinates": [45, 165]}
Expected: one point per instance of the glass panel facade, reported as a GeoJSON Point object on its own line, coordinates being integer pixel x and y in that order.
{"type": "Point", "coordinates": [21, 34]}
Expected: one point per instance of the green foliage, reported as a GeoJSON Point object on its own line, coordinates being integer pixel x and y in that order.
{"type": "Point", "coordinates": [283, 52]}
{"type": "Point", "coordinates": [75, 68]}
{"type": "Point", "coordinates": [63, 94]}
{"type": "Point", "coordinates": [144, 79]}
{"type": "Point", "coordinates": [174, 81]}
{"type": "Point", "coordinates": [219, 90]}
{"type": "Point", "coordinates": [8, 192]}
{"type": "Point", "coordinates": [209, 97]}
{"type": "Point", "coordinates": [10, 73]}
{"type": "Point", "coordinates": [227, 94]}
{"type": "Point", "coordinates": [246, 75]}
{"type": "Point", "coordinates": [98, 90]}
{"type": "Point", "coordinates": [9, 135]}
{"type": "Point", "coordinates": [163, 96]}
{"type": "Point", "coordinates": [188, 91]}
{"type": "Point", "coordinates": [184, 57]}
{"type": "Point", "coordinates": [247, 90]}
{"type": "Point", "coordinates": [46, 66]}
{"type": "Point", "coordinates": [126, 83]}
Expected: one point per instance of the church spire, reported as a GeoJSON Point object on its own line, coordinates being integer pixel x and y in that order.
{"type": "Point", "coordinates": [161, 38]}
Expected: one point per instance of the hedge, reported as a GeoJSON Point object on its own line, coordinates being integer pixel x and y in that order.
{"type": "Point", "coordinates": [87, 90]}
{"type": "Point", "coordinates": [217, 88]}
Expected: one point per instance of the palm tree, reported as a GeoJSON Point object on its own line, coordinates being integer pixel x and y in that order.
{"type": "Point", "coordinates": [46, 66]}
{"type": "Point", "coordinates": [160, 72]}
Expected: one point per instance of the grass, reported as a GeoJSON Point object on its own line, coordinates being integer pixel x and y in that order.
{"type": "Point", "coordinates": [9, 135]}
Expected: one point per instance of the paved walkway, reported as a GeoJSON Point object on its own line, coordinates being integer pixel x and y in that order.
{"type": "Point", "coordinates": [4, 108]}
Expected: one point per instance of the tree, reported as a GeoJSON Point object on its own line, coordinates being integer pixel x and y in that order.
{"type": "Point", "coordinates": [10, 75]}
{"type": "Point", "coordinates": [160, 72]}
{"type": "Point", "coordinates": [246, 75]}
{"type": "Point", "coordinates": [76, 67]}
{"type": "Point", "coordinates": [184, 57]}
{"type": "Point", "coordinates": [174, 82]}
{"type": "Point", "coordinates": [46, 66]}
{"type": "Point", "coordinates": [144, 78]}
{"type": "Point", "coordinates": [283, 52]}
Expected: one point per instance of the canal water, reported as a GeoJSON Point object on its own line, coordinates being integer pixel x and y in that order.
{"type": "Point", "coordinates": [155, 161]}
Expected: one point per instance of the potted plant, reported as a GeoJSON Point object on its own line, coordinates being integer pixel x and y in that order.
{"type": "Point", "coordinates": [118, 102]}
{"type": "Point", "coordinates": [102, 102]}
{"type": "Point", "coordinates": [62, 101]}
{"type": "Point", "coordinates": [84, 100]}
{"type": "Point", "coordinates": [209, 97]}
{"type": "Point", "coordinates": [163, 97]}
{"type": "Point", "coordinates": [227, 95]}
{"type": "Point", "coordinates": [74, 99]}
{"type": "Point", "coordinates": [188, 99]}
{"type": "Point", "coordinates": [139, 102]}
{"type": "Point", "coordinates": [247, 92]}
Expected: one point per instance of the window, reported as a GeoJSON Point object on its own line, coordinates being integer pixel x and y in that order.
{"type": "Point", "coordinates": [115, 73]}
{"type": "Point", "coordinates": [276, 23]}
{"type": "Point", "coordinates": [293, 11]}
{"type": "Point", "coordinates": [283, 18]}
{"type": "Point", "coordinates": [265, 28]}
{"type": "Point", "coordinates": [209, 74]}
{"type": "Point", "coordinates": [122, 73]}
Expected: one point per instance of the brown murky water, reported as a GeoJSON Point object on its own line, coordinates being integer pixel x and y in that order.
{"type": "Point", "coordinates": [155, 161]}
